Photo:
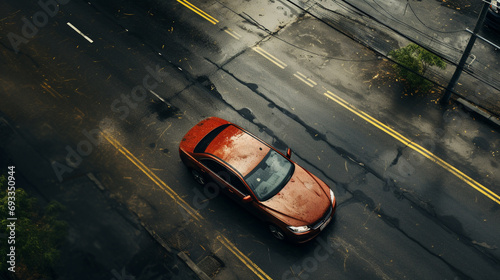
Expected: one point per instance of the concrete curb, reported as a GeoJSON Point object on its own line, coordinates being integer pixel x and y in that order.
{"type": "Point", "coordinates": [92, 178]}
{"type": "Point", "coordinates": [185, 258]}
{"type": "Point", "coordinates": [193, 266]}
{"type": "Point", "coordinates": [484, 114]}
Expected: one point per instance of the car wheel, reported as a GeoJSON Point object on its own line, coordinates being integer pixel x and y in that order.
{"type": "Point", "coordinates": [198, 177]}
{"type": "Point", "coordinates": [276, 232]}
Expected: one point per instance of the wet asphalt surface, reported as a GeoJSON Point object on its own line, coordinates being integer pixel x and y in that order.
{"type": "Point", "coordinates": [400, 214]}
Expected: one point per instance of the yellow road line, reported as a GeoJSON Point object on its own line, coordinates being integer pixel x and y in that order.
{"type": "Point", "coordinates": [421, 150]}
{"type": "Point", "coordinates": [304, 79]}
{"type": "Point", "coordinates": [233, 34]}
{"type": "Point", "coordinates": [270, 57]}
{"type": "Point", "coordinates": [153, 177]}
{"type": "Point", "coordinates": [253, 267]}
{"type": "Point", "coordinates": [50, 90]}
{"type": "Point", "coordinates": [199, 11]}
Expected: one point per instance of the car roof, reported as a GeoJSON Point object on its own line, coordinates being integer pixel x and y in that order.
{"type": "Point", "coordinates": [238, 149]}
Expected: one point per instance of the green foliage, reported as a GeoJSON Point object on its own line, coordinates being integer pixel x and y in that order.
{"type": "Point", "coordinates": [39, 233]}
{"type": "Point", "coordinates": [416, 60]}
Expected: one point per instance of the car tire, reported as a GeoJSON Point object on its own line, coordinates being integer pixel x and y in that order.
{"type": "Point", "coordinates": [276, 232]}
{"type": "Point", "coordinates": [198, 177]}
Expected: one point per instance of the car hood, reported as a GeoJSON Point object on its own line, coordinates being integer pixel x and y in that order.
{"type": "Point", "coordinates": [301, 202]}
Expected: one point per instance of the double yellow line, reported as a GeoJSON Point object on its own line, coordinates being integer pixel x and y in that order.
{"type": "Point", "coordinates": [421, 150]}
{"type": "Point", "coordinates": [230, 246]}
{"type": "Point", "coordinates": [244, 259]}
{"type": "Point", "coordinates": [270, 57]}
{"type": "Point", "coordinates": [199, 11]}
{"type": "Point", "coordinates": [305, 79]}
{"type": "Point", "coordinates": [193, 213]}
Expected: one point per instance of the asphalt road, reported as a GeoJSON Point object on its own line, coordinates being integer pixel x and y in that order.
{"type": "Point", "coordinates": [110, 87]}
{"type": "Point", "coordinates": [443, 27]}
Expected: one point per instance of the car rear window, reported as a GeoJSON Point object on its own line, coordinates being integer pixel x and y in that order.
{"type": "Point", "coordinates": [202, 146]}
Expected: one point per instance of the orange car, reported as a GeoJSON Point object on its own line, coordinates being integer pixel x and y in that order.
{"type": "Point", "coordinates": [295, 204]}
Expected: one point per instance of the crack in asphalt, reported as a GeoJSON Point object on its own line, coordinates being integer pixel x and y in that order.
{"type": "Point", "coordinates": [357, 195]}
{"type": "Point", "coordinates": [400, 153]}
{"type": "Point", "coordinates": [21, 53]}
{"type": "Point", "coordinates": [315, 134]}
{"type": "Point", "coordinates": [361, 197]}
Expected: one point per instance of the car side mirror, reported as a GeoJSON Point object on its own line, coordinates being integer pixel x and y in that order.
{"type": "Point", "coordinates": [288, 153]}
{"type": "Point", "coordinates": [247, 199]}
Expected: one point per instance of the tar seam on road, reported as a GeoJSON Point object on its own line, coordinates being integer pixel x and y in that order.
{"type": "Point", "coordinates": [396, 135]}
{"type": "Point", "coordinates": [252, 266]}
{"type": "Point", "coordinates": [199, 11]}
{"type": "Point", "coordinates": [459, 174]}
{"type": "Point", "coordinates": [261, 274]}
{"type": "Point", "coordinates": [153, 177]}
{"type": "Point", "coordinates": [79, 32]}
{"type": "Point", "coordinates": [453, 170]}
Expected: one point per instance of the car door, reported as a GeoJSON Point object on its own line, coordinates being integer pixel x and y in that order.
{"type": "Point", "coordinates": [227, 180]}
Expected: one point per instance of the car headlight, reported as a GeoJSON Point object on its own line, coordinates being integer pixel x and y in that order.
{"type": "Point", "coordinates": [332, 196]}
{"type": "Point", "coordinates": [299, 229]}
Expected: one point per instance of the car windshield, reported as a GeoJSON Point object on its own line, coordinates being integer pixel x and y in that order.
{"type": "Point", "coordinates": [270, 175]}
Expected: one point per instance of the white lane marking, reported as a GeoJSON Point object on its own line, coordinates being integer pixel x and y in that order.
{"type": "Point", "coordinates": [79, 32]}
{"type": "Point", "coordinates": [158, 96]}
{"type": "Point", "coordinates": [161, 99]}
